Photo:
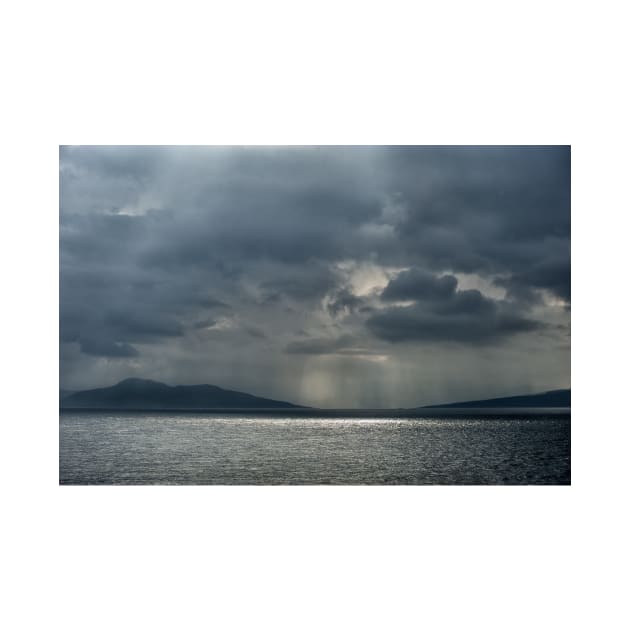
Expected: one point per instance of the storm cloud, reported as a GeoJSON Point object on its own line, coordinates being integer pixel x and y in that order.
{"type": "Point", "coordinates": [416, 284]}
{"type": "Point", "coordinates": [321, 275]}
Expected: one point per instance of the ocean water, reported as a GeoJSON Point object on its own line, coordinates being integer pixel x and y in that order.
{"type": "Point", "coordinates": [201, 448]}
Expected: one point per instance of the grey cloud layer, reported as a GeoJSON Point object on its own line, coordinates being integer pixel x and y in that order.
{"type": "Point", "coordinates": [449, 316]}
{"type": "Point", "coordinates": [441, 313]}
{"type": "Point", "coordinates": [257, 243]}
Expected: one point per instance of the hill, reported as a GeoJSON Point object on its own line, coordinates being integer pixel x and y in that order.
{"type": "Point", "coordinates": [136, 393]}
{"type": "Point", "coordinates": [554, 398]}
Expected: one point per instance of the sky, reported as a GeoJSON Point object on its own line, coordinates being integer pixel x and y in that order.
{"type": "Point", "coordinates": [326, 276]}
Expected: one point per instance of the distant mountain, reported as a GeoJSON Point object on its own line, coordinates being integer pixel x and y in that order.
{"type": "Point", "coordinates": [65, 392]}
{"type": "Point", "coordinates": [554, 398]}
{"type": "Point", "coordinates": [136, 393]}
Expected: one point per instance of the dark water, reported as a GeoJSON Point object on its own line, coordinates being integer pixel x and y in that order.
{"type": "Point", "coordinates": [197, 448]}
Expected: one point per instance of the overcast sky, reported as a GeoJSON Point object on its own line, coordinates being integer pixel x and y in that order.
{"type": "Point", "coordinates": [327, 276]}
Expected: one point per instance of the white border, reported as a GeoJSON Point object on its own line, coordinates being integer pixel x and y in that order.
{"type": "Point", "coordinates": [321, 73]}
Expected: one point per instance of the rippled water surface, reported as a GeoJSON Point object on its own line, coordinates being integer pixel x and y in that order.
{"type": "Point", "coordinates": [191, 448]}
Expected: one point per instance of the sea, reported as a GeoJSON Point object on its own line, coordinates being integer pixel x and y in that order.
{"type": "Point", "coordinates": [335, 447]}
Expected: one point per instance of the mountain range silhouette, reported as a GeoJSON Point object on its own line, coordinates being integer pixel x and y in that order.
{"type": "Point", "coordinates": [137, 393]}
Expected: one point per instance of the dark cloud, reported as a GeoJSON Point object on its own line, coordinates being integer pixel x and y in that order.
{"type": "Point", "coordinates": [441, 313]}
{"type": "Point", "coordinates": [475, 210]}
{"type": "Point", "coordinates": [216, 257]}
{"type": "Point", "coordinates": [553, 275]}
{"type": "Point", "coordinates": [486, 210]}
{"type": "Point", "coordinates": [344, 301]}
{"type": "Point", "coordinates": [484, 323]}
{"type": "Point", "coordinates": [106, 348]}
{"type": "Point", "coordinates": [416, 284]}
